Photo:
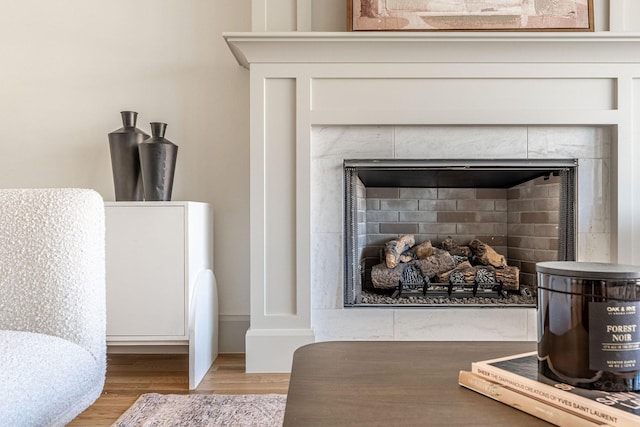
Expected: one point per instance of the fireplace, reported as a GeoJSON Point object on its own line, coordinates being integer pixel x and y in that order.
{"type": "Point", "coordinates": [450, 231]}
{"type": "Point", "coordinates": [331, 145]}
{"type": "Point", "coordinates": [320, 98]}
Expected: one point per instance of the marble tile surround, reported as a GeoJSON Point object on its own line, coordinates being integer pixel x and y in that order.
{"type": "Point", "coordinates": [591, 145]}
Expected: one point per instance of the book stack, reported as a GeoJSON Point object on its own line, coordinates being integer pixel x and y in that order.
{"type": "Point", "coordinates": [514, 381]}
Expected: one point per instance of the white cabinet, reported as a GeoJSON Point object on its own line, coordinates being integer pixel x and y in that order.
{"type": "Point", "coordinates": [161, 289]}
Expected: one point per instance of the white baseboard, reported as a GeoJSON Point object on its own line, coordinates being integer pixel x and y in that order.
{"type": "Point", "coordinates": [147, 349]}
{"type": "Point", "coordinates": [232, 329]}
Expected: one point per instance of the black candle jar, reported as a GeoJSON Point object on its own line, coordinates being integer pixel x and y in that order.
{"type": "Point", "coordinates": [589, 324]}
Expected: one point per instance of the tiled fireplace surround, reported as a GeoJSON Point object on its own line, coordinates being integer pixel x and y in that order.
{"type": "Point", "coordinates": [520, 222]}
{"type": "Point", "coordinates": [591, 145]}
{"type": "Point", "coordinates": [317, 99]}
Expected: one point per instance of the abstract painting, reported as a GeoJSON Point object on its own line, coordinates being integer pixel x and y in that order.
{"type": "Point", "coordinates": [470, 15]}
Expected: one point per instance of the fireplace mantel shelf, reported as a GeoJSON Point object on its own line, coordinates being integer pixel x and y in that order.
{"type": "Point", "coordinates": [400, 47]}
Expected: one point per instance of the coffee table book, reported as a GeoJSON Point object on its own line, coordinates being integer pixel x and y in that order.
{"type": "Point", "coordinates": [519, 373]}
{"type": "Point", "coordinates": [538, 408]}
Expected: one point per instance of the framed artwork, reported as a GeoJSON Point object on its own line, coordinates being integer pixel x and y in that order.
{"type": "Point", "coordinates": [470, 15]}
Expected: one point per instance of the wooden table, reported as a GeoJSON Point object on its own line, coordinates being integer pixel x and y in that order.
{"type": "Point", "coordinates": [400, 383]}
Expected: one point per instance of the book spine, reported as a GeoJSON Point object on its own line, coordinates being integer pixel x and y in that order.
{"type": "Point", "coordinates": [539, 409]}
{"type": "Point", "coordinates": [547, 393]}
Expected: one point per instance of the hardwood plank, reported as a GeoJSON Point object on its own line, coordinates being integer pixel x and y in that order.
{"type": "Point", "coordinates": [130, 375]}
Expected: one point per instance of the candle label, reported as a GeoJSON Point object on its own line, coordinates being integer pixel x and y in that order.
{"type": "Point", "coordinates": [614, 336]}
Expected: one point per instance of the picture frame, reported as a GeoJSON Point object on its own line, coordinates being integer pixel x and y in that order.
{"type": "Point", "coordinates": [470, 15]}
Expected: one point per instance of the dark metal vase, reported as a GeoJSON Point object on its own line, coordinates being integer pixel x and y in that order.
{"type": "Point", "coordinates": [125, 160]}
{"type": "Point", "coordinates": [158, 164]}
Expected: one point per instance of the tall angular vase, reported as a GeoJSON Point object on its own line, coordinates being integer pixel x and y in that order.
{"type": "Point", "coordinates": [158, 164]}
{"type": "Point", "coordinates": [125, 159]}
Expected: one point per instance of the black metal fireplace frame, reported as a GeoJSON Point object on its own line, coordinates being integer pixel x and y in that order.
{"type": "Point", "coordinates": [452, 173]}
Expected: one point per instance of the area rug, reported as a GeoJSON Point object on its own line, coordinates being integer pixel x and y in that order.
{"type": "Point", "coordinates": [191, 410]}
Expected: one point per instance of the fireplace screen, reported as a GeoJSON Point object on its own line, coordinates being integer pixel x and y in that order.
{"type": "Point", "coordinates": [422, 231]}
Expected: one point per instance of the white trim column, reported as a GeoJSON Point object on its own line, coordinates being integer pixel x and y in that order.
{"type": "Point", "coordinates": [280, 303]}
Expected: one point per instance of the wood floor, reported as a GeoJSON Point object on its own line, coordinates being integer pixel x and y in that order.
{"type": "Point", "coordinates": [129, 376]}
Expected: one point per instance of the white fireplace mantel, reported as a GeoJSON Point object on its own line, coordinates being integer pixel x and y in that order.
{"type": "Point", "coordinates": [411, 47]}
{"type": "Point", "coordinates": [306, 81]}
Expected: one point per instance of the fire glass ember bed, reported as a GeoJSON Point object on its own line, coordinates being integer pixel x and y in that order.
{"type": "Point", "coordinates": [423, 230]}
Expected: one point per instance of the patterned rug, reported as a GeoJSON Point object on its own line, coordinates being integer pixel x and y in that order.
{"type": "Point", "coordinates": [187, 410]}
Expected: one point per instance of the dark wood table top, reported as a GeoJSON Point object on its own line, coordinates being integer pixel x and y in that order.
{"type": "Point", "coordinates": [400, 383]}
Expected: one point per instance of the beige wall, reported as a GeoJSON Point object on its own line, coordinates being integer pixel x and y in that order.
{"type": "Point", "coordinates": [68, 67]}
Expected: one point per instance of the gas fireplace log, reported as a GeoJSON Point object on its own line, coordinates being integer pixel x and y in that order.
{"type": "Point", "coordinates": [463, 251]}
{"type": "Point", "coordinates": [465, 267]}
{"type": "Point", "coordinates": [510, 275]}
{"type": "Point", "coordinates": [486, 255]}
{"type": "Point", "coordinates": [386, 278]}
{"type": "Point", "coordinates": [394, 248]}
{"type": "Point", "coordinates": [424, 250]}
{"type": "Point", "coordinates": [437, 263]}
{"type": "Point", "coordinates": [407, 256]}
{"type": "Point", "coordinates": [451, 246]}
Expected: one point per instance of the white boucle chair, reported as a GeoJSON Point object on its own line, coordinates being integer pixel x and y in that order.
{"type": "Point", "coordinates": [52, 305]}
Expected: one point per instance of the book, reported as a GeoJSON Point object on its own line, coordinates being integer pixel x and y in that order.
{"type": "Point", "coordinates": [538, 408]}
{"type": "Point", "coordinates": [520, 373]}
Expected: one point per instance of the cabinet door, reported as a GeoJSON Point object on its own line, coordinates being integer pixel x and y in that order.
{"type": "Point", "coordinates": [145, 251]}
